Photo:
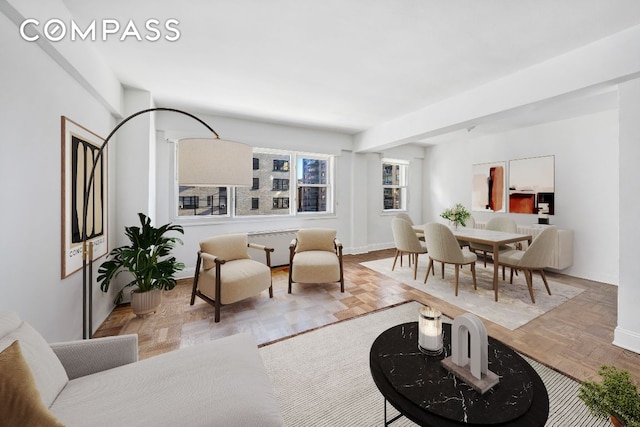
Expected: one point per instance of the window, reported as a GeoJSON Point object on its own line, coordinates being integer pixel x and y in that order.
{"type": "Point", "coordinates": [280, 203]}
{"type": "Point", "coordinates": [312, 174]}
{"type": "Point", "coordinates": [195, 201]}
{"type": "Point", "coordinates": [280, 184]}
{"type": "Point", "coordinates": [281, 165]}
{"type": "Point", "coordinates": [284, 183]}
{"type": "Point", "coordinates": [394, 185]}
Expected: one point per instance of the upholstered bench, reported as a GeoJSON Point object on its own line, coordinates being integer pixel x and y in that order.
{"type": "Point", "coordinates": [100, 382]}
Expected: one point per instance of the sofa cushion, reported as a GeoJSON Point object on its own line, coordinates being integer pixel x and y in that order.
{"type": "Point", "coordinates": [21, 403]}
{"type": "Point", "coordinates": [48, 373]}
{"type": "Point", "coordinates": [227, 247]}
{"type": "Point", "coordinates": [315, 239]}
{"type": "Point", "coordinates": [221, 382]}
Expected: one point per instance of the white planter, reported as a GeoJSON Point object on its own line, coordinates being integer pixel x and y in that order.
{"type": "Point", "coordinates": [143, 303]}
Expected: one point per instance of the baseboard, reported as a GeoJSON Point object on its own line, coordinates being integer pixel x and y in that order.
{"type": "Point", "coordinates": [626, 339]}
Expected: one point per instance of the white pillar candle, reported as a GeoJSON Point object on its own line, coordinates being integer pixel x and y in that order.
{"type": "Point", "coordinates": [430, 330]}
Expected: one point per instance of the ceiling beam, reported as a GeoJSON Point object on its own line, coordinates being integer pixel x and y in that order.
{"type": "Point", "coordinates": [610, 60]}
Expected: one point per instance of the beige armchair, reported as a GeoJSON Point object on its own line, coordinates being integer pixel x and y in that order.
{"type": "Point", "coordinates": [407, 242]}
{"type": "Point", "coordinates": [443, 247]}
{"type": "Point", "coordinates": [315, 256]}
{"type": "Point", "coordinates": [535, 258]}
{"type": "Point", "coordinates": [497, 223]}
{"type": "Point", "coordinates": [228, 273]}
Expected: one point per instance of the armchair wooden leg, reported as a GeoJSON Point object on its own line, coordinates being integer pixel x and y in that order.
{"type": "Point", "coordinates": [484, 258]}
{"type": "Point", "coordinates": [415, 267]}
{"type": "Point", "coordinates": [271, 291]}
{"type": "Point", "coordinates": [217, 303]}
{"type": "Point", "coordinates": [195, 280]}
{"type": "Point", "coordinates": [442, 263]}
{"type": "Point", "coordinates": [217, 312]}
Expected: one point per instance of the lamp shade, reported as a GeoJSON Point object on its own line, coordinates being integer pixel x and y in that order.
{"type": "Point", "coordinates": [206, 162]}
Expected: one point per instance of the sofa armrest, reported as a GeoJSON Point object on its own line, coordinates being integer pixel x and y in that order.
{"type": "Point", "coordinates": [84, 357]}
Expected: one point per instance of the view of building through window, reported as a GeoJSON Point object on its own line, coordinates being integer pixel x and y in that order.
{"type": "Point", "coordinates": [394, 185]}
{"type": "Point", "coordinates": [272, 191]}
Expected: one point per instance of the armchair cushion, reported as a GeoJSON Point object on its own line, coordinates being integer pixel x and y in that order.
{"type": "Point", "coordinates": [49, 374]}
{"type": "Point", "coordinates": [316, 239]}
{"type": "Point", "coordinates": [227, 247]}
{"type": "Point", "coordinates": [240, 279]}
{"type": "Point", "coordinates": [21, 403]}
{"type": "Point", "coordinates": [316, 267]}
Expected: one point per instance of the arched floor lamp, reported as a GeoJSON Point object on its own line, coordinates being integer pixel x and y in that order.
{"type": "Point", "coordinates": [201, 162]}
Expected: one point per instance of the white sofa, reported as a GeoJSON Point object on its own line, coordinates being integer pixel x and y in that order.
{"type": "Point", "coordinates": [100, 382]}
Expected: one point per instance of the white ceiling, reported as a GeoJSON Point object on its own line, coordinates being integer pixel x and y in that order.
{"type": "Point", "coordinates": [342, 64]}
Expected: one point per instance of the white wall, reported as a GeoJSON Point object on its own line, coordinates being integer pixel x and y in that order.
{"type": "Point", "coordinates": [627, 333]}
{"type": "Point", "coordinates": [35, 93]}
{"type": "Point", "coordinates": [358, 190]}
{"type": "Point", "coordinates": [586, 182]}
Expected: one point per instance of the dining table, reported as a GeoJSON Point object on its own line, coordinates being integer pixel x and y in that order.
{"type": "Point", "coordinates": [491, 238]}
{"type": "Point", "coordinates": [495, 239]}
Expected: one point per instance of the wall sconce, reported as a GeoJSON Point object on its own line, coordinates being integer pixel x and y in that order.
{"type": "Point", "coordinates": [430, 331]}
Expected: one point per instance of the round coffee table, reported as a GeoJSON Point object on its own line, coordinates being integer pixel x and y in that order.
{"type": "Point", "coordinates": [421, 389]}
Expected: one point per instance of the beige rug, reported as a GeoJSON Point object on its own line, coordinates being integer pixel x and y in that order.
{"type": "Point", "coordinates": [321, 378]}
{"type": "Point", "coordinates": [513, 308]}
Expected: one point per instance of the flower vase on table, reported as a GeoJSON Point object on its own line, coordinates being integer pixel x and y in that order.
{"type": "Point", "coordinates": [457, 215]}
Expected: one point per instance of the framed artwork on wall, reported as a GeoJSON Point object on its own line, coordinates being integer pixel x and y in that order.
{"type": "Point", "coordinates": [532, 185]}
{"type": "Point", "coordinates": [80, 149]}
{"type": "Point", "coordinates": [488, 187]}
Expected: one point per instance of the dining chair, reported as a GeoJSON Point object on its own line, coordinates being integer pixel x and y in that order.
{"type": "Point", "coordinates": [418, 230]}
{"type": "Point", "coordinates": [406, 241]}
{"type": "Point", "coordinates": [469, 223]}
{"type": "Point", "coordinates": [535, 258]}
{"type": "Point", "coordinates": [442, 246]}
{"type": "Point", "coordinates": [497, 223]}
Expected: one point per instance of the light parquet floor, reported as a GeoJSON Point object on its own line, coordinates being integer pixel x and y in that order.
{"type": "Point", "coordinates": [574, 338]}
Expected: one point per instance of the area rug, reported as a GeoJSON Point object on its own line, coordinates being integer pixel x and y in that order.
{"type": "Point", "coordinates": [513, 308]}
{"type": "Point", "coordinates": [321, 378]}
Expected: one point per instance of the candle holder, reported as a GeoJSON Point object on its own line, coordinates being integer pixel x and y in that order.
{"type": "Point", "coordinates": [430, 331]}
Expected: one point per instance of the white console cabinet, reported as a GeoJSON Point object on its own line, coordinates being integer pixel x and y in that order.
{"type": "Point", "coordinates": [563, 249]}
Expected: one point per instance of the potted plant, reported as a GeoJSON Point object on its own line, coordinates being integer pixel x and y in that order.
{"type": "Point", "coordinates": [615, 397]}
{"type": "Point", "coordinates": [148, 259]}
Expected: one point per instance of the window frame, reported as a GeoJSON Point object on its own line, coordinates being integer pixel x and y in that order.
{"type": "Point", "coordinates": [402, 185]}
